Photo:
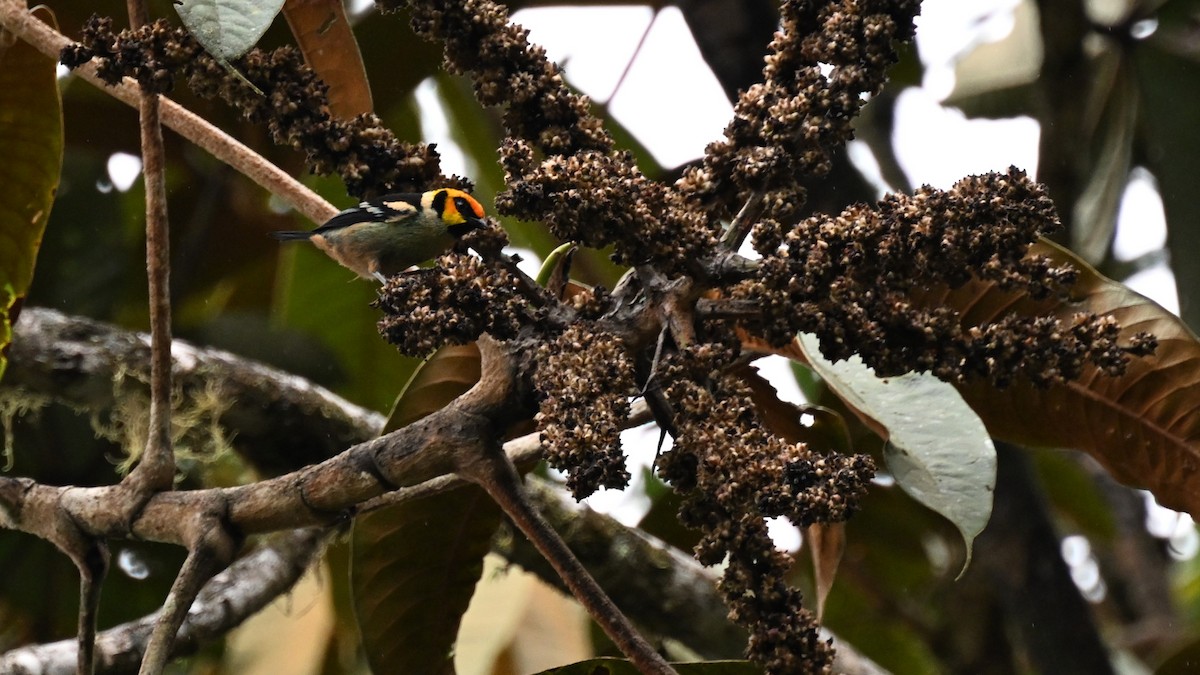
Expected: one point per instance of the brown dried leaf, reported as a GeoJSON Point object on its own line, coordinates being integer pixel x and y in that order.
{"type": "Point", "coordinates": [826, 544]}
{"type": "Point", "coordinates": [323, 34]}
{"type": "Point", "coordinates": [1144, 427]}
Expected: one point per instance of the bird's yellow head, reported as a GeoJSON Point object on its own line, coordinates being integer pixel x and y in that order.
{"type": "Point", "coordinates": [459, 211]}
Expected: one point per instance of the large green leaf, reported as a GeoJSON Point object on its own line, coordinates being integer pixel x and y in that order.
{"type": "Point", "coordinates": [1144, 427]}
{"type": "Point", "coordinates": [320, 298]}
{"type": "Point", "coordinates": [938, 450]}
{"type": "Point", "coordinates": [31, 143]}
{"type": "Point", "coordinates": [414, 565]}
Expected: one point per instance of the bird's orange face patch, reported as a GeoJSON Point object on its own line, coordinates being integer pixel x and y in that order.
{"type": "Point", "coordinates": [461, 207]}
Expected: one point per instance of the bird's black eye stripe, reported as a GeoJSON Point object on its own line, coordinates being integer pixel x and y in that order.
{"type": "Point", "coordinates": [439, 202]}
{"type": "Point", "coordinates": [464, 207]}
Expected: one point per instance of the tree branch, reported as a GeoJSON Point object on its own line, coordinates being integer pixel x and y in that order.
{"type": "Point", "coordinates": [75, 360]}
{"type": "Point", "coordinates": [227, 600]}
{"type": "Point", "coordinates": [282, 422]}
{"type": "Point", "coordinates": [155, 471]}
{"type": "Point", "coordinates": [496, 474]}
{"type": "Point", "coordinates": [661, 587]}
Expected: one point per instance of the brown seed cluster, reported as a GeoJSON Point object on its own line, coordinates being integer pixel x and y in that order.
{"type": "Point", "coordinates": [825, 61]}
{"type": "Point", "coordinates": [585, 379]}
{"type": "Point", "coordinates": [559, 161]}
{"type": "Point", "coordinates": [850, 280]}
{"type": "Point", "coordinates": [295, 108]}
{"type": "Point", "coordinates": [508, 70]}
{"type": "Point", "coordinates": [736, 474]}
{"type": "Point", "coordinates": [601, 199]}
{"type": "Point", "coordinates": [454, 302]}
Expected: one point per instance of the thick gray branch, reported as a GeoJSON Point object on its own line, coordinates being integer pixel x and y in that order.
{"type": "Point", "coordinates": [282, 421]}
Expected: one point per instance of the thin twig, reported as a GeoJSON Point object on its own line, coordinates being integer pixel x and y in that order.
{"type": "Point", "coordinates": [658, 350]}
{"type": "Point", "coordinates": [632, 57]}
{"type": "Point", "coordinates": [93, 567]}
{"type": "Point", "coordinates": [207, 555]}
{"type": "Point", "coordinates": [156, 470]}
{"type": "Point", "coordinates": [227, 600]}
{"type": "Point", "coordinates": [496, 474]}
{"type": "Point", "coordinates": [742, 222]}
{"type": "Point", "coordinates": [728, 308]}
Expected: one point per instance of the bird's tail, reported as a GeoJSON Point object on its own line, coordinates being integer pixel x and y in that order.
{"type": "Point", "coordinates": [290, 235]}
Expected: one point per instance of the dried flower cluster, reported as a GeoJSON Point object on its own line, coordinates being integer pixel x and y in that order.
{"type": "Point", "coordinates": [585, 379]}
{"type": "Point", "coordinates": [737, 474]}
{"type": "Point", "coordinates": [580, 187]}
{"type": "Point", "coordinates": [850, 280]}
{"type": "Point", "coordinates": [295, 109]}
{"type": "Point", "coordinates": [454, 302]}
{"type": "Point", "coordinates": [479, 39]}
{"type": "Point", "coordinates": [602, 199]}
{"type": "Point", "coordinates": [822, 64]}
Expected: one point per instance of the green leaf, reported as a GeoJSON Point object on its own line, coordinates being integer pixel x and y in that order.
{"type": "Point", "coordinates": [414, 565]}
{"type": "Point", "coordinates": [938, 449]}
{"type": "Point", "coordinates": [228, 28]}
{"type": "Point", "coordinates": [31, 142]}
{"type": "Point", "coordinates": [611, 666]}
{"type": "Point", "coordinates": [320, 298]}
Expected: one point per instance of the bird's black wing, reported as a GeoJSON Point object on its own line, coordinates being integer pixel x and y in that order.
{"type": "Point", "coordinates": [388, 209]}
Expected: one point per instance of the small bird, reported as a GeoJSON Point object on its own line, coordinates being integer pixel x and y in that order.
{"type": "Point", "coordinates": [385, 236]}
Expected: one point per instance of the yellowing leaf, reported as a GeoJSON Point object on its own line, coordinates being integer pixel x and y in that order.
{"type": "Point", "coordinates": [826, 544]}
{"type": "Point", "coordinates": [323, 33]}
{"type": "Point", "coordinates": [31, 143]}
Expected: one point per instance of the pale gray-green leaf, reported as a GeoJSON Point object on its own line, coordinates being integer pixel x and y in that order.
{"type": "Point", "coordinates": [938, 449]}
{"type": "Point", "coordinates": [228, 28]}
